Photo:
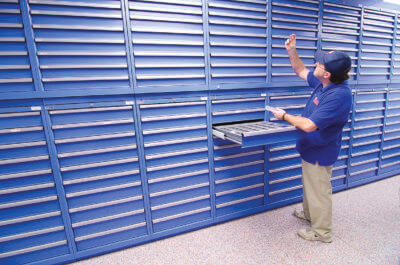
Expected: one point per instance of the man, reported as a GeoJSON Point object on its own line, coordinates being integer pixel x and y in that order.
{"type": "Point", "coordinates": [319, 134]}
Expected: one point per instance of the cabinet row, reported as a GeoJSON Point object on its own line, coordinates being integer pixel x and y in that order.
{"type": "Point", "coordinates": [79, 174]}
{"type": "Point", "coordinates": [165, 46]}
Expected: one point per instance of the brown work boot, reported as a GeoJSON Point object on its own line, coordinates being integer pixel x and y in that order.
{"type": "Point", "coordinates": [310, 235]}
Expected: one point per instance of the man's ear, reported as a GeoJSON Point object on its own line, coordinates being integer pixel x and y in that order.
{"type": "Point", "coordinates": [327, 75]}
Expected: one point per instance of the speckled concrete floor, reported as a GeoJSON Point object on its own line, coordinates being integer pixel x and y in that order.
{"type": "Point", "coordinates": [366, 231]}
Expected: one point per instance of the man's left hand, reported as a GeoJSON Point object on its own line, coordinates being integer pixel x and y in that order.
{"type": "Point", "coordinates": [278, 113]}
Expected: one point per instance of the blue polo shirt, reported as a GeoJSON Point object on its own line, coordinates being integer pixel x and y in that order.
{"type": "Point", "coordinates": [329, 109]}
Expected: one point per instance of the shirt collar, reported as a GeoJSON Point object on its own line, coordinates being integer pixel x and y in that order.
{"type": "Point", "coordinates": [331, 85]}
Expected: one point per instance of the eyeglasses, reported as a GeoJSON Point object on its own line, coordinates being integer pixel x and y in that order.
{"type": "Point", "coordinates": [317, 64]}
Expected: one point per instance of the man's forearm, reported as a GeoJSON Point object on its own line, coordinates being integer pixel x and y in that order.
{"type": "Point", "coordinates": [301, 123]}
{"type": "Point", "coordinates": [296, 62]}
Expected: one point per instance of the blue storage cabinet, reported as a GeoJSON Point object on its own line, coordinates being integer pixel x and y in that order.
{"type": "Point", "coordinates": [341, 27]}
{"type": "Point", "coordinates": [32, 226]}
{"type": "Point", "coordinates": [237, 32]}
{"type": "Point", "coordinates": [80, 45]}
{"type": "Point", "coordinates": [239, 173]}
{"type": "Point", "coordinates": [391, 140]}
{"type": "Point", "coordinates": [175, 140]}
{"type": "Point", "coordinates": [369, 110]}
{"type": "Point", "coordinates": [168, 45]}
{"type": "Point", "coordinates": [96, 149]}
{"type": "Point", "coordinates": [376, 46]}
{"type": "Point", "coordinates": [107, 109]}
{"type": "Point", "coordinates": [292, 17]}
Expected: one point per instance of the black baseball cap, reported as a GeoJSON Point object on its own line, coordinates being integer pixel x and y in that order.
{"type": "Point", "coordinates": [335, 62]}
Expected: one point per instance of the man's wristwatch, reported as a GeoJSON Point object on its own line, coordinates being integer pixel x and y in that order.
{"type": "Point", "coordinates": [283, 116]}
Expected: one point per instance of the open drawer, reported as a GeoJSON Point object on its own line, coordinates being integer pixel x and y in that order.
{"type": "Point", "coordinates": [255, 133]}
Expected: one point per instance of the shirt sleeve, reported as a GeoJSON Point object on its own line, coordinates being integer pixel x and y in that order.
{"type": "Point", "coordinates": [332, 110]}
{"type": "Point", "coordinates": [312, 80]}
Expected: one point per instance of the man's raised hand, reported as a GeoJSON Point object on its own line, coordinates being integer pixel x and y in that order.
{"type": "Point", "coordinates": [290, 43]}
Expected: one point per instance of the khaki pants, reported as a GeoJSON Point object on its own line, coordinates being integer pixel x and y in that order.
{"type": "Point", "coordinates": [317, 197]}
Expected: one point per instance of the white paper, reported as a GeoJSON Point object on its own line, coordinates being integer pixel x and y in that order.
{"type": "Point", "coordinates": [269, 108]}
